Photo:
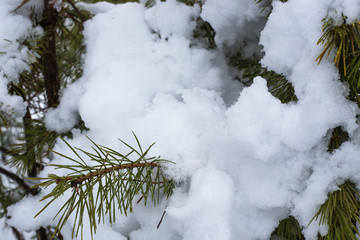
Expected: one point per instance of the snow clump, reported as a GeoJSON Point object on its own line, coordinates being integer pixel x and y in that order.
{"type": "Point", "coordinates": [246, 161]}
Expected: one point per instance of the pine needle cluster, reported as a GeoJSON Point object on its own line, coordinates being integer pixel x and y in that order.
{"type": "Point", "coordinates": [344, 39]}
{"type": "Point", "coordinates": [249, 68]}
{"type": "Point", "coordinates": [25, 141]}
{"type": "Point", "coordinates": [106, 182]}
{"type": "Point", "coordinates": [28, 149]}
{"type": "Point", "coordinates": [340, 212]}
{"type": "Point", "coordinates": [289, 229]}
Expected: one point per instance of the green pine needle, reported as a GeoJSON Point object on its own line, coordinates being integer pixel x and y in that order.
{"type": "Point", "coordinates": [277, 84]}
{"type": "Point", "coordinates": [344, 37]}
{"type": "Point", "coordinates": [31, 148]}
{"type": "Point", "coordinates": [109, 184]}
{"type": "Point", "coordinates": [338, 137]}
{"type": "Point", "coordinates": [340, 213]}
{"type": "Point", "coordinates": [289, 228]}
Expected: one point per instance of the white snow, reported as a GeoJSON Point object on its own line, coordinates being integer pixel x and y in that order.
{"type": "Point", "coordinates": [14, 57]}
{"type": "Point", "coordinates": [6, 232]}
{"type": "Point", "coordinates": [235, 22]}
{"type": "Point", "coordinates": [246, 161]}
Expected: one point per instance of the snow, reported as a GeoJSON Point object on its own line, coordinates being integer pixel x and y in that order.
{"type": "Point", "coordinates": [208, 206]}
{"type": "Point", "coordinates": [234, 22]}
{"type": "Point", "coordinates": [290, 49]}
{"type": "Point", "coordinates": [6, 232]}
{"type": "Point", "coordinates": [350, 7]}
{"type": "Point", "coordinates": [27, 213]}
{"type": "Point", "coordinates": [65, 116]}
{"type": "Point", "coordinates": [14, 57]}
{"type": "Point", "coordinates": [245, 161]}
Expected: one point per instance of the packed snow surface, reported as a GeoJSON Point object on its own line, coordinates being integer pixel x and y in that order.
{"type": "Point", "coordinates": [245, 160]}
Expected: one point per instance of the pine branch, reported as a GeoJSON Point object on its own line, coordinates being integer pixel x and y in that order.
{"type": "Point", "coordinates": [7, 151]}
{"type": "Point", "coordinates": [346, 38]}
{"type": "Point", "coordinates": [19, 181]}
{"type": "Point", "coordinates": [31, 148]}
{"type": "Point", "coordinates": [277, 84]}
{"type": "Point", "coordinates": [341, 213]}
{"type": "Point", "coordinates": [289, 228]}
{"type": "Point", "coordinates": [112, 183]}
{"type": "Point", "coordinates": [338, 137]}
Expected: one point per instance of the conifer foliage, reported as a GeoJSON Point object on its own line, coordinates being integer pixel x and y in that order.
{"type": "Point", "coordinates": [54, 59]}
{"type": "Point", "coordinates": [109, 186]}
{"type": "Point", "coordinates": [97, 185]}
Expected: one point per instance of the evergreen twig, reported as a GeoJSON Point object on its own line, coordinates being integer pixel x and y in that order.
{"type": "Point", "coordinates": [109, 185]}
{"type": "Point", "coordinates": [289, 228]}
{"type": "Point", "coordinates": [277, 84]}
{"type": "Point", "coordinates": [20, 181]}
{"type": "Point", "coordinates": [340, 213]}
{"type": "Point", "coordinates": [344, 37]}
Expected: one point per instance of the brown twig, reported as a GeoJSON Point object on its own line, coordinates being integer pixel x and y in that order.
{"type": "Point", "coordinates": [138, 201]}
{"type": "Point", "coordinates": [162, 217]}
{"type": "Point", "coordinates": [7, 151]}
{"type": "Point", "coordinates": [79, 180]}
{"type": "Point", "coordinates": [142, 181]}
{"type": "Point", "coordinates": [19, 181]}
{"type": "Point", "coordinates": [50, 70]}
